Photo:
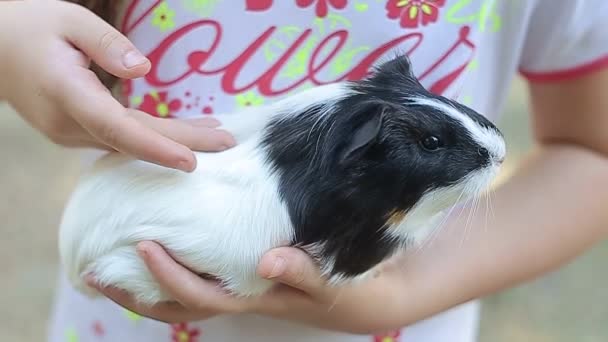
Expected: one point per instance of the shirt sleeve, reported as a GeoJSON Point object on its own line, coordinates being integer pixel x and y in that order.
{"type": "Point", "coordinates": [565, 39]}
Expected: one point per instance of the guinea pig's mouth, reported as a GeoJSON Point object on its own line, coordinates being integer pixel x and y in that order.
{"type": "Point", "coordinates": [473, 185]}
{"type": "Point", "coordinates": [436, 206]}
{"type": "Point", "coordinates": [440, 202]}
{"type": "Point", "coordinates": [480, 181]}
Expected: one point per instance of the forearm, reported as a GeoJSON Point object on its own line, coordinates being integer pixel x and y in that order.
{"type": "Point", "coordinates": [549, 212]}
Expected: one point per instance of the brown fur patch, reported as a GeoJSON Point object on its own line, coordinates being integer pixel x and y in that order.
{"type": "Point", "coordinates": [396, 216]}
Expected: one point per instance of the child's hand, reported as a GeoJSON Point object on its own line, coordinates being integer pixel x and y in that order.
{"type": "Point", "coordinates": [45, 52]}
{"type": "Point", "coordinates": [373, 306]}
{"type": "Point", "coordinates": [195, 298]}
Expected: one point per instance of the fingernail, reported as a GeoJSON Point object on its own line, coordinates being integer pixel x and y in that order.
{"type": "Point", "coordinates": [205, 122]}
{"type": "Point", "coordinates": [225, 147]}
{"type": "Point", "coordinates": [278, 268]}
{"type": "Point", "coordinates": [230, 142]}
{"type": "Point", "coordinates": [185, 166]}
{"type": "Point", "coordinates": [133, 58]}
{"type": "Point", "coordinates": [142, 251]}
{"type": "Point", "coordinates": [90, 280]}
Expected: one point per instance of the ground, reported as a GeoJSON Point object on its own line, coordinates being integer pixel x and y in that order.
{"type": "Point", "coordinates": [568, 305]}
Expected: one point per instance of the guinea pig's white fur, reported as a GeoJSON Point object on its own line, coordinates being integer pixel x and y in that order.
{"type": "Point", "coordinates": [221, 218]}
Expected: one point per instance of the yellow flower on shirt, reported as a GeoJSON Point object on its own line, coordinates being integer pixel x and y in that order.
{"type": "Point", "coordinates": [249, 99]}
{"type": "Point", "coordinates": [163, 17]}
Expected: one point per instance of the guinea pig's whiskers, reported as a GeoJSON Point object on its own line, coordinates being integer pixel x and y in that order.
{"type": "Point", "coordinates": [437, 229]}
{"type": "Point", "coordinates": [487, 200]}
{"type": "Point", "coordinates": [448, 216]}
{"type": "Point", "coordinates": [476, 210]}
{"type": "Point", "coordinates": [335, 301]}
{"type": "Point", "coordinates": [491, 199]}
{"type": "Point", "coordinates": [474, 200]}
{"type": "Point", "coordinates": [471, 219]}
{"type": "Point", "coordinates": [470, 209]}
{"type": "Point", "coordinates": [491, 195]}
{"type": "Point", "coordinates": [475, 207]}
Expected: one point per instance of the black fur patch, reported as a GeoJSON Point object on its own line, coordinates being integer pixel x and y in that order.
{"type": "Point", "coordinates": [343, 204]}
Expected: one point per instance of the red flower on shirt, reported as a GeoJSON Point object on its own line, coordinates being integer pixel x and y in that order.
{"type": "Point", "coordinates": [392, 336]}
{"type": "Point", "coordinates": [321, 6]}
{"type": "Point", "coordinates": [181, 333]}
{"type": "Point", "coordinates": [412, 13]}
{"type": "Point", "coordinates": [157, 104]}
{"type": "Point", "coordinates": [258, 5]}
{"type": "Point", "coordinates": [98, 329]}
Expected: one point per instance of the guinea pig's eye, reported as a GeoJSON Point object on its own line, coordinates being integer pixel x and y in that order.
{"type": "Point", "coordinates": [431, 143]}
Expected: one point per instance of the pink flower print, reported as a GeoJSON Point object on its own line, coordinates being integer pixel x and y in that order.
{"type": "Point", "coordinates": [322, 5]}
{"type": "Point", "coordinates": [258, 5]}
{"type": "Point", "coordinates": [182, 333]}
{"type": "Point", "coordinates": [392, 336]}
{"type": "Point", "coordinates": [157, 104]}
{"type": "Point", "coordinates": [98, 329]}
{"type": "Point", "coordinates": [412, 13]}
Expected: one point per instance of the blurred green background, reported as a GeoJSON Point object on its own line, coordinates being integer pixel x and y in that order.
{"type": "Point", "coordinates": [568, 305]}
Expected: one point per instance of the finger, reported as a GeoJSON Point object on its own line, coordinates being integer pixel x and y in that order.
{"type": "Point", "coordinates": [198, 137]}
{"type": "Point", "coordinates": [292, 267]}
{"type": "Point", "coordinates": [107, 120]}
{"type": "Point", "coordinates": [85, 143]}
{"type": "Point", "coordinates": [203, 122]}
{"type": "Point", "coordinates": [185, 287]}
{"type": "Point", "coordinates": [169, 312]}
{"type": "Point", "coordinates": [69, 133]}
{"type": "Point", "coordinates": [105, 45]}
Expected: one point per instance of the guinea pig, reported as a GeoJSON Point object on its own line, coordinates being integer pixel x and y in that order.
{"type": "Point", "coordinates": [351, 172]}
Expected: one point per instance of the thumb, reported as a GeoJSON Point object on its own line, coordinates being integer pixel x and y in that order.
{"type": "Point", "coordinates": [105, 45]}
{"type": "Point", "coordinates": [292, 267]}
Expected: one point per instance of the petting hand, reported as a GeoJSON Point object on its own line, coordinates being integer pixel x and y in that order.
{"type": "Point", "coordinates": [301, 294]}
{"type": "Point", "coordinates": [46, 77]}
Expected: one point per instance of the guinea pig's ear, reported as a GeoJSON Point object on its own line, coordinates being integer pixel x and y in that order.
{"type": "Point", "coordinates": [396, 74]}
{"type": "Point", "coordinates": [398, 65]}
{"type": "Point", "coordinates": [363, 137]}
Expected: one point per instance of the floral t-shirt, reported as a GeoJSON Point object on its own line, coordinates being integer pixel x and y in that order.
{"type": "Point", "coordinates": [215, 56]}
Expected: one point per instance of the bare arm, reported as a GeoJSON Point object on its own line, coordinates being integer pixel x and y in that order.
{"type": "Point", "coordinates": [549, 212]}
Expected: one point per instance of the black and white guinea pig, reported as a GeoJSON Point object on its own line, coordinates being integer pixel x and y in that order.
{"type": "Point", "coordinates": [350, 172]}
